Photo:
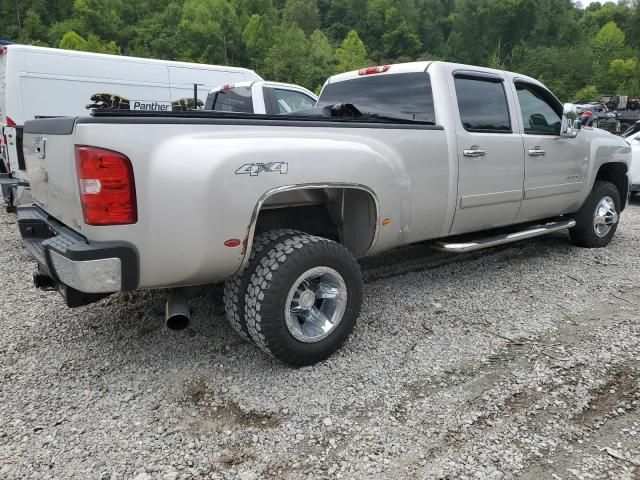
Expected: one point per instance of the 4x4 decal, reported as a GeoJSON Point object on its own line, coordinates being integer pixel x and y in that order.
{"type": "Point", "coordinates": [253, 169]}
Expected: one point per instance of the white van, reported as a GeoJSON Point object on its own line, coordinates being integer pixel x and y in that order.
{"type": "Point", "coordinates": [48, 82]}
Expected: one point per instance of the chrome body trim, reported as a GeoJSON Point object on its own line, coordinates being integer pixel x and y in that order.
{"type": "Point", "coordinates": [304, 186]}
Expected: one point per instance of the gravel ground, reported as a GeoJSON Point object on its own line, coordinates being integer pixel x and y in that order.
{"type": "Point", "coordinates": [518, 362]}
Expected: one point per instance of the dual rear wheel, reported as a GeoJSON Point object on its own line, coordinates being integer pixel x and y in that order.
{"type": "Point", "coordinates": [298, 297]}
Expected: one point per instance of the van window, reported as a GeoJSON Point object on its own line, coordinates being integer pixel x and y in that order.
{"type": "Point", "coordinates": [236, 99]}
{"type": "Point", "coordinates": [483, 104]}
{"type": "Point", "coordinates": [402, 95]}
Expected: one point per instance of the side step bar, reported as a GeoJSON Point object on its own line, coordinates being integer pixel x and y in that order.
{"type": "Point", "coordinates": [530, 232]}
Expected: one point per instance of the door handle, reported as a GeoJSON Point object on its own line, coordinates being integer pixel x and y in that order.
{"type": "Point", "coordinates": [537, 152]}
{"type": "Point", "coordinates": [474, 153]}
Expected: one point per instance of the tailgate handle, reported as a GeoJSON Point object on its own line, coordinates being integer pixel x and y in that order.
{"type": "Point", "coordinates": [40, 143]}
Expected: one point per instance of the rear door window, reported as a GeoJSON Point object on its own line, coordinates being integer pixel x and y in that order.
{"type": "Point", "coordinates": [483, 104]}
{"type": "Point", "coordinates": [403, 95]}
{"type": "Point", "coordinates": [236, 100]}
{"type": "Point", "coordinates": [288, 101]}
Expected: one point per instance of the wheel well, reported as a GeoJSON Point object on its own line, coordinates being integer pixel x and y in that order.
{"type": "Point", "coordinates": [346, 215]}
{"type": "Point", "coordinates": [615, 173]}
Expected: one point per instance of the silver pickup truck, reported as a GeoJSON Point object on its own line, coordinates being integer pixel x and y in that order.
{"type": "Point", "coordinates": [280, 207]}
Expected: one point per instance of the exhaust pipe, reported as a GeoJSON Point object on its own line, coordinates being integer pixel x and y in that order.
{"type": "Point", "coordinates": [177, 310]}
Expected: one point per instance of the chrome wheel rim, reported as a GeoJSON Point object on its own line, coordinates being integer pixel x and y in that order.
{"type": "Point", "coordinates": [315, 304]}
{"type": "Point", "coordinates": [605, 217]}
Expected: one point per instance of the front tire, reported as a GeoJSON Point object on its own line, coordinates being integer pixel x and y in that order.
{"type": "Point", "coordinates": [303, 299]}
{"type": "Point", "coordinates": [597, 220]}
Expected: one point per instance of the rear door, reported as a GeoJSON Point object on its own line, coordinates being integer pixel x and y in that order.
{"type": "Point", "coordinates": [555, 167]}
{"type": "Point", "coordinates": [490, 154]}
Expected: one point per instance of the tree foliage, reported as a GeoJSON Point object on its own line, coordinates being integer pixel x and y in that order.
{"type": "Point", "coordinates": [575, 51]}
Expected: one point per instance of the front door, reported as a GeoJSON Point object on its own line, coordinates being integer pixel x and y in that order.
{"type": "Point", "coordinates": [490, 155]}
{"type": "Point", "coordinates": [555, 167]}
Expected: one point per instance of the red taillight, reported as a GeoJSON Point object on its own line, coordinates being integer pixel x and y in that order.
{"type": "Point", "coordinates": [588, 113]}
{"type": "Point", "coordinates": [107, 189]}
{"type": "Point", "coordinates": [372, 70]}
{"type": "Point", "coordinates": [10, 122]}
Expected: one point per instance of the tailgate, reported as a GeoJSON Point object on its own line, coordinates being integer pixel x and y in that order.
{"type": "Point", "coordinates": [50, 160]}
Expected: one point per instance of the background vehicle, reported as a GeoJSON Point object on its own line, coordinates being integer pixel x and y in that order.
{"type": "Point", "coordinates": [280, 206]}
{"type": "Point", "coordinates": [47, 82]}
{"type": "Point", "coordinates": [599, 116]}
{"type": "Point", "coordinates": [626, 108]}
{"type": "Point", "coordinates": [260, 97]}
{"type": "Point", "coordinates": [634, 140]}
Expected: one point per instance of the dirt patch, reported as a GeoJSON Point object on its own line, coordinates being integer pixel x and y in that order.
{"type": "Point", "coordinates": [618, 392]}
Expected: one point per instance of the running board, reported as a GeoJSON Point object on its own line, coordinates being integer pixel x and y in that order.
{"type": "Point", "coordinates": [479, 244]}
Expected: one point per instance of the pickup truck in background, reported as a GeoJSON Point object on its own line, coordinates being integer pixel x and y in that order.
{"type": "Point", "coordinates": [260, 97]}
{"type": "Point", "coordinates": [280, 206]}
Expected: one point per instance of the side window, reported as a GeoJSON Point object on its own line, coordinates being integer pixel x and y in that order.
{"type": "Point", "coordinates": [289, 101]}
{"type": "Point", "coordinates": [483, 104]}
{"type": "Point", "coordinates": [236, 100]}
{"type": "Point", "coordinates": [541, 112]}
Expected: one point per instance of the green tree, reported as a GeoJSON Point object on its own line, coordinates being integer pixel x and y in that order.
{"type": "Point", "coordinates": [625, 74]}
{"type": "Point", "coordinates": [605, 46]}
{"type": "Point", "coordinates": [33, 29]}
{"type": "Point", "coordinates": [257, 37]}
{"type": "Point", "coordinates": [209, 32]}
{"type": "Point", "coordinates": [72, 41]}
{"type": "Point", "coordinates": [351, 54]}
{"type": "Point", "coordinates": [286, 59]}
{"type": "Point", "coordinates": [588, 93]}
{"type": "Point", "coordinates": [399, 39]}
{"type": "Point", "coordinates": [303, 13]}
{"type": "Point", "coordinates": [322, 60]}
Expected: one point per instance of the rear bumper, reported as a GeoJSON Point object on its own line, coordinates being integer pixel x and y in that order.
{"type": "Point", "coordinates": [82, 271]}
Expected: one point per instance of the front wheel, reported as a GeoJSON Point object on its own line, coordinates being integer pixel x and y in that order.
{"type": "Point", "coordinates": [303, 299]}
{"type": "Point", "coordinates": [597, 220]}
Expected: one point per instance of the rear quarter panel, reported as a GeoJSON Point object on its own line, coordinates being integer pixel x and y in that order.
{"type": "Point", "coordinates": [190, 198]}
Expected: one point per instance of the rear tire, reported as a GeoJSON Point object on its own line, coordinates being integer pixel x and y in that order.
{"type": "Point", "coordinates": [597, 219]}
{"type": "Point", "coordinates": [235, 288]}
{"type": "Point", "coordinates": [303, 299]}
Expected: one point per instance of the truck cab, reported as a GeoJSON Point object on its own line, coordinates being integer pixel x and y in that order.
{"type": "Point", "coordinates": [260, 97]}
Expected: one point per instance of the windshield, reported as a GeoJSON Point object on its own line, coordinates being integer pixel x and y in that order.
{"type": "Point", "coordinates": [403, 95]}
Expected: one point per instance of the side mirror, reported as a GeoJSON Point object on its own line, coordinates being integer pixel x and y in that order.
{"type": "Point", "coordinates": [570, 126]}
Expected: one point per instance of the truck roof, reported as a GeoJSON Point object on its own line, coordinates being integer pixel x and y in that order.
{"type": "Point", "coordinates": [423, 66]}
{"type": "Point", "coordinates": [121, 58]}
{"type": "Point", "coordinates": [250, 83]}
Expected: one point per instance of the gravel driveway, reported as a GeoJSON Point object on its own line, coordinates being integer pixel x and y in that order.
{"type": "Point", "coordinates": [518, 362]}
